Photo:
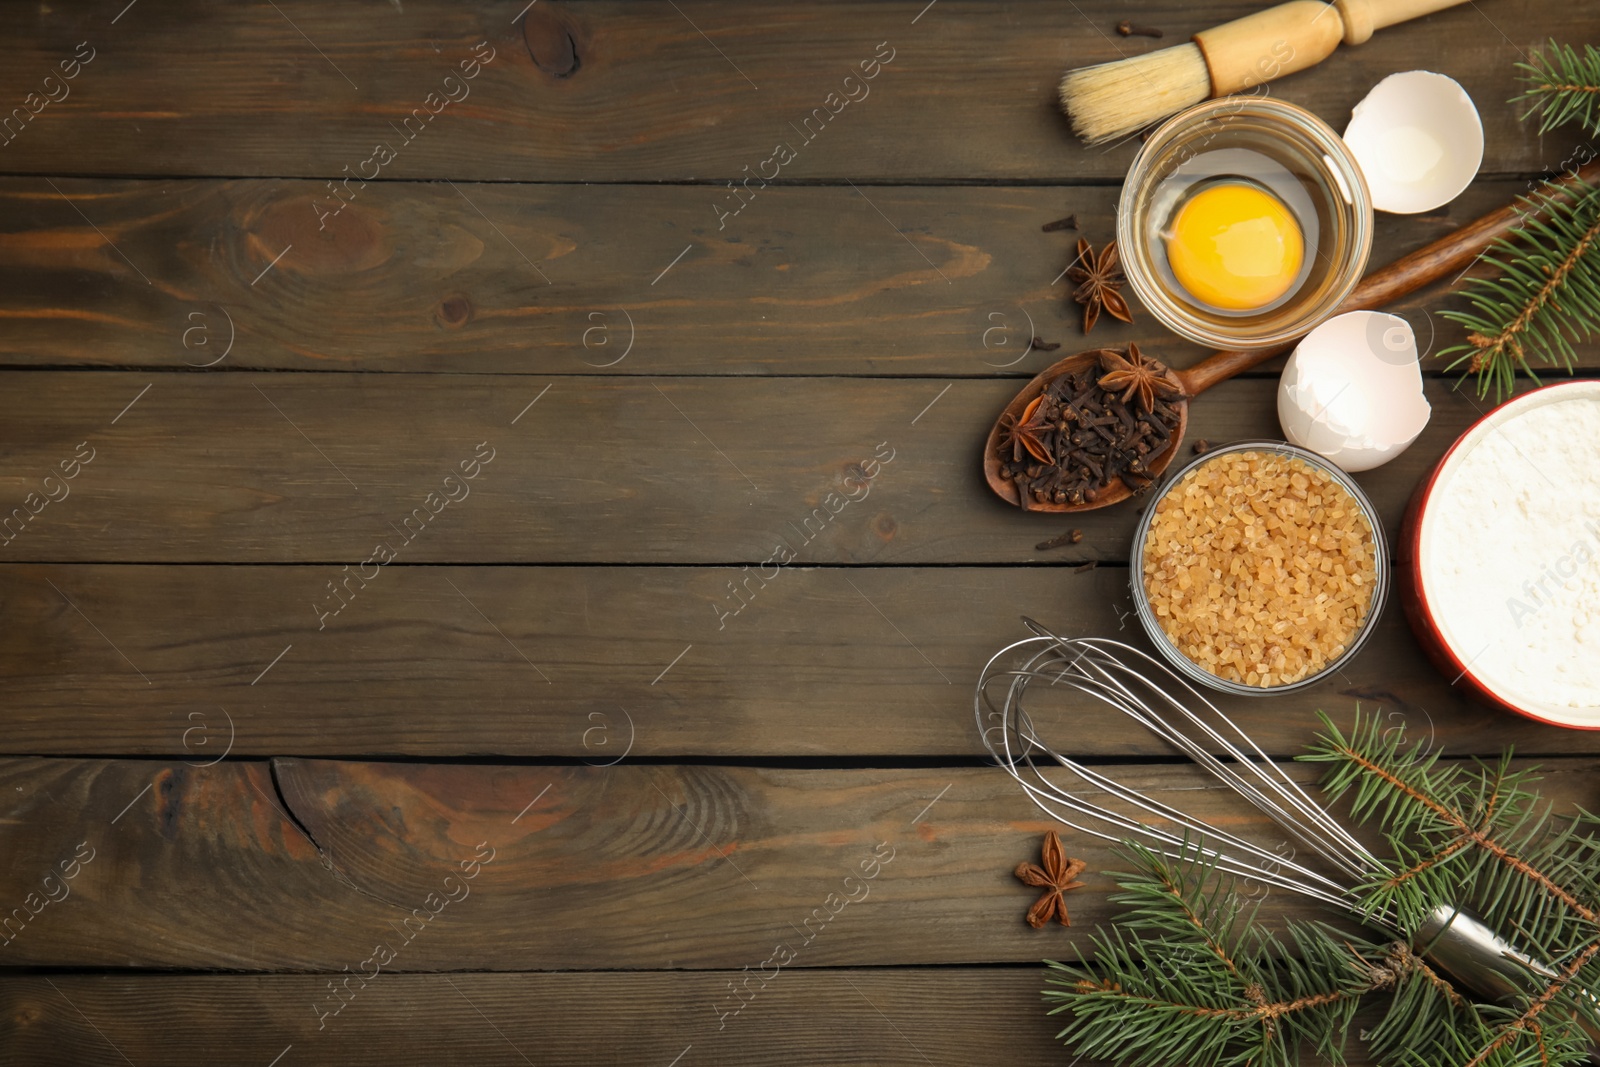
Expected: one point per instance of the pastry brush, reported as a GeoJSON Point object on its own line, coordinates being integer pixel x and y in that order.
{"type": "Point", "coordinates": [1115, 99]}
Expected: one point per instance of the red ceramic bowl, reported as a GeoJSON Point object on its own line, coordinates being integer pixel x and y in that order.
{"type": "Point", "coordinates": [1411, 581]}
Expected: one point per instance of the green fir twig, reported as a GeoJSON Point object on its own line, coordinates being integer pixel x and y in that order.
{"type": "Point", "coordinates": [1188, 975]}
{"type": "Point", "coordinates": [1563, 85]}
{"type": "Point", "coordinates": [1544, 296]}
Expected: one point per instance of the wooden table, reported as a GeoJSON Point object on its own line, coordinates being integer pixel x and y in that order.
{"type": "Point", "coordinates": [517, 577]}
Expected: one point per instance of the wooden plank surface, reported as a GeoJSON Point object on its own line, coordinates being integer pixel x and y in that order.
{"type": "Point", "coordinates": [567, 279]}
{"type": "Point", "coordinates": [594, 662]}
{"type": "Point", "coordinates": [254, 468]}
{"type": "Point", "coordinates": [657, 93]}
{"type": "Point", "coordinates": [631, 866]}
{"type": "Point", "coordinates": [956, 1016]}
{"type": "Point", "coordinates": [646, 793]}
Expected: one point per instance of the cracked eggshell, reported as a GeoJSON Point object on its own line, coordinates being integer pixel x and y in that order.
{"type": "Point", "coordinates": [1352, 390]}
{"type": "Point", "coordinates": [1419, 140]}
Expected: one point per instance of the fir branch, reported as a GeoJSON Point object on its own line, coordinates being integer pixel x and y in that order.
{"type": "Point", "coordinates": [1422, 866]}
{"type": "Point", "coordinates": [1254, 1013]}
{"type": "Point", "coordinates": [1528, 1021]}
{"type": "Point", "coordinates": [1188, 977]}
{"type": "Point", "coordinates": [1562, 86]}
{"type": "Point", "coordinates": [1174, 888]}
{"type": "Point", "coordinates": [1526, 870]}
{"type": "Point", "coordinates": [1412, 796]}
{"type": "Point", "coordinates": [1423, 1015]}
{"type": "Point", "coordinates": [1216, 996]}
{"type": "Point", "coordinates": [1403, 961]}
{"type": "Point", "coordinates": [1497, 793]}
{"type": "Point", "coordinates": [1545, 294]}
{"type": "Point", "coordinates": [1544, 1050]}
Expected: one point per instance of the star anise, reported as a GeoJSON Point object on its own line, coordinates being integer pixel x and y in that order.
{"type": "Point", "coordinates": [1099, 278]}
{"type": "Point", "coordinates": [1138, 376]}
{"type": "Point", "coordinates": [1026, 433]}
{"type": "Point", "coordinates": [1056, 877]}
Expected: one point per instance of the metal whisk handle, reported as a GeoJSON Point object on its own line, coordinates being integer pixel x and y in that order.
{"type": "Point", "coordinates": [1468, 950]}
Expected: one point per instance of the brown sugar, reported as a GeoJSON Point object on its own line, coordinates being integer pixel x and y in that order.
{"type": "Point", "coordinates": [1260, 567]}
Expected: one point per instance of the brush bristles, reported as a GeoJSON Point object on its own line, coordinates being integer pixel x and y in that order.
{"type": "Point", "coordinates": [1115, 99]}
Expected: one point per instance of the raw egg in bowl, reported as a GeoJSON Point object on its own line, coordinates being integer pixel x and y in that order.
{"type": "Point", "coordinates": [1234, 245]}
{"type": "Point", "coordinates": [1244, 222]}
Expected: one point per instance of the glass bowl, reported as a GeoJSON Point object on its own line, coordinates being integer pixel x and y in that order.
{"type": "Point", "coordinates": [1174, 655]}
{"type": "Point", "coordinates": [1265, 142]}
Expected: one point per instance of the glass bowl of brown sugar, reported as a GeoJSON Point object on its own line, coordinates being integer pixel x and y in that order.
{"type": "Point", "coordinates": [1258, 568]}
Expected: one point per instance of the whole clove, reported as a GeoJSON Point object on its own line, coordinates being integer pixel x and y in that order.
{"type": "Point", "coordinates": [1071, 537]}
{"type": "Point", "coordinates": [1045, 346]}
{"type": "Point", "coordinates": [1092, 428]}
{"type": "Point", "coordinates": [1068, 223]}
{"type": "Point", "coordinates": [1201, 446]}
{"type": "Point", "coordinates": [1129, 29]}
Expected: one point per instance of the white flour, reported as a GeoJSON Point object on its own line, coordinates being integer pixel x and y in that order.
{"type": "Point", "coordinates": [1512, 566]}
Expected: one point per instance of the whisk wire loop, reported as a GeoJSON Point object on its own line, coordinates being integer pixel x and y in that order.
{"type": "Point", "coordinates": [1145, 690]}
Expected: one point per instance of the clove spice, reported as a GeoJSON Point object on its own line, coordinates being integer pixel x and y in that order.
{"type": "Point", "coordinates": [1091, 428]}
{"type": "Point", "coordinates": [1127, 29]}
{"type": "Point", "coordinates": [1071, 537]}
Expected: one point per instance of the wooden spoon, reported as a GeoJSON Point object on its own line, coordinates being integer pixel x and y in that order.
{"type": "Point", "coordinates": [1451, 254]}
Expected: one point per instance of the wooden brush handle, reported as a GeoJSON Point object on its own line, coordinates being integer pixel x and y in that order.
{"type": "Point", "coordinates": [1301, 33]}
{"type": "Point", "coordinates": [1450, 254]}
{"type": "Point", "coordinates": [1361, 17]}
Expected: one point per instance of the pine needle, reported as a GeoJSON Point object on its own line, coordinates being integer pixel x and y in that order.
{"type": "Point", "coordinates": [1563, 87]}
{"type": "Point", "coordinates": [1544, 296]}
{"type": "Point", "coordinates": [1189, 976]}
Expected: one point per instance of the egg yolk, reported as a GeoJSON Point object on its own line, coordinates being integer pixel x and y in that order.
{"type": "Point", "coordinates": [1235, 246]}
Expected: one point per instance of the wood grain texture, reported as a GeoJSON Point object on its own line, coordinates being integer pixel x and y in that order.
{"type": "Point", "coordinates": [567, 279]}
{"type": "Point", "coordinates": [956, 1016]}
{"type": "Point", "coordinates": [623, 867]}
{"type": "Point", "coordinates": [253, 467]}
{"type": "Point", "coordinates": [652, 93]}
{"type": "Point", "coordinates": [898, 1018]}
{"type": "Point", "coordinates": [647, 662]}
{"type": "Point", "coordinates": [173, 598]}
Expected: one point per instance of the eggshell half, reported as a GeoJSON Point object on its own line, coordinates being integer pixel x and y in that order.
{"type": "Point", "coordinates": [1352, 390]}
{"type": "Point", "coordinates": [1419, 140]}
